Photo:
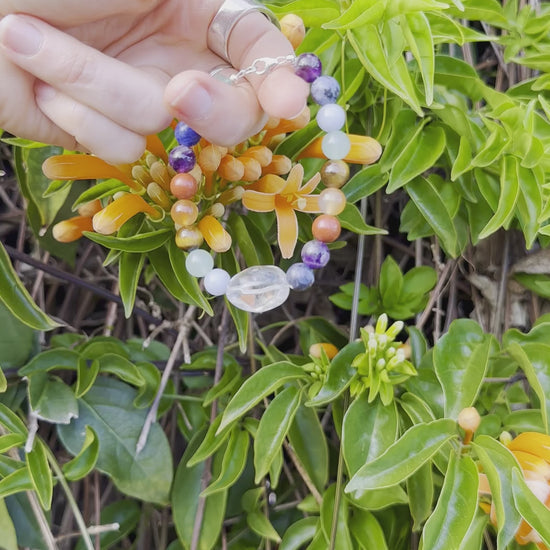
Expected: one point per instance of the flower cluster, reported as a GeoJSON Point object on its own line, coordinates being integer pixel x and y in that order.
{"type": "Point", "coordinates": [384, 362]}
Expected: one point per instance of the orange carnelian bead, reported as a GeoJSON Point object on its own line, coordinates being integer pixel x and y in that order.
{"type": "Point", "coordinates": [184, 212]}
{"type": "Point", "coordinates": [332, 201]}
{"type": "Point", "coordinates": [188, 238]}
{"type": "Point", "coordinates": [183, 186]}
{"type": "Point", "coordinates": [326, 228]}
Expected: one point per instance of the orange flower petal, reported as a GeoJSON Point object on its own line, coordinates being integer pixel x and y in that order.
{"type": "Point", "coordinates": [311, 185]}
{"type": "Point", "coordinates": [287, 229]}
{"type": "Point", "coordinates": [154, 145]}
{"type": "Point", "coordinates": [258, 202]}
{"type": "Point", "coordinates": [311, 204]}
{"type": "Point", "coordinates": [84, 167]}
{"type": "Point", "coordinates": [270, 183]}
{"type": "Point", "coordinates": [217, 238]}
{"type": "Point", "coordinates": [71, 230]}
{"type": "Point", "coordinates": [294, 179]}
{"type": "Point", "coordinates": [117, 213]}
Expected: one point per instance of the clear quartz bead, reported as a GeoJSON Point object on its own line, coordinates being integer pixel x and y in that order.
{"type": "Point", "coordinates": [336, 145]}
{"type": "Point", "coordinates": [258, 288]}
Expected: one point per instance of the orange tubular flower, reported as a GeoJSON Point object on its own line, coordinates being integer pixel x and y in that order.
{"type": "Point", "coordinates": [117, 213]}
{"type": "Point", "coordinates": [71, 230]}
{"type": "Point", "coordinates": [217, 238]}
{"type": "Point", "coordinates": [284, 197]}
{"type": "Point", "coordinates": [364, 150]}
{"type": "Point", "coordinates": [532, 451]}
{"type": "Point", "coordinates": [84, 167]}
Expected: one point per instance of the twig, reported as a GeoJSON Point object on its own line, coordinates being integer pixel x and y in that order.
{"type": "Point", "coordinates": [207, 472]}
{"type": "Point", "coordinates": [496, 324]}
{"type": "Point", "coordinates": [303, 474]}
{"type": "Point", "coordinates": [92, 530]}
{"type": "Point", "coordinates": [152, 414]}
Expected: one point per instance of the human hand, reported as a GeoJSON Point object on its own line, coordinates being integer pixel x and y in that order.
{"type": "Point", "coordinates": [98, 76]}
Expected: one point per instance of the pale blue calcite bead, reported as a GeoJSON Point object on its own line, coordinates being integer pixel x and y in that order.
{"type": "Point", "coordinates": [336, 145]}
{"type": "Point", "coordinates": [258, 288]}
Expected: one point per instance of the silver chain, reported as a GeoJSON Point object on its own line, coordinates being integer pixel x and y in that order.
{"type": "Point", "coordinates": [263, 65]}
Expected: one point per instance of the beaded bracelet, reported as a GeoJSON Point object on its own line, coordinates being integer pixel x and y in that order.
{"type": "Point", "coordinates": [262, 288]}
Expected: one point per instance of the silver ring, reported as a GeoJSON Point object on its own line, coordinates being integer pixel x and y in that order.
{"type": "Point", "coordinates": [229, 14]}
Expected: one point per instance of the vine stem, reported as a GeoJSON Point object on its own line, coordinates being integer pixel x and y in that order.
{"type": "Point", "coordinates": [70, 499]}
{"type": "Point", "coordinates": [354, 326]}
{"type": "Point", "coordinates": [186, 325]}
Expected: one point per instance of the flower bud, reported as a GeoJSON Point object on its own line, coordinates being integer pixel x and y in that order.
{"type": "Point", "coordinates": [469, 419]}
{"type": "Point", "coordinates": [215, 235]}
{"type": "Point", "coordinates": [88, 209]}
{"type": "Point", "coordinates": [315, 350]}
{"type": "Point", "coordinates": [279, 166]}
{"type": "Point", "coordinates": [252, 169]}
{"type": "Point", "coordinates": [292, 26]}
{"type": "Point", "coordinates": [71, 230]}
{"type": "Point", "coordinates": [230, 168]}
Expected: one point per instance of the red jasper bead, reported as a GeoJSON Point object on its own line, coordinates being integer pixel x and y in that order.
{"type": "Point", "coordinates": [326, 228]}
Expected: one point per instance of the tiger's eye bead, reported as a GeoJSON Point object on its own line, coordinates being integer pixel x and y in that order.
{"type": "Point", "coordinates": [184, 212]}
{"type": "Point", "coordinates": [332, 201]}
{"type": "Point", "coordinates": [326, 228]}
{"type": "Point", "coordinates": [188, 238]}
{"type": "Point", "coordinates": [183, 186]}
{"type": "Point", "coordinates": [335, 173]}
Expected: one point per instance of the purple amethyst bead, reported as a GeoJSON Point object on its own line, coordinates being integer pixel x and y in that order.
{"type": "Point", "coordinates": [185, 135]}
{"type": "Point", "coordinates": [299, 276]}
{"type": "Point", "coordinates": [308, 67]}
{"type": "Point", "coordinates": [315, 254]}
{"type": "Point", "coordinates": [182, 158]}
{"type": "Point", "coordinates": [325, 89]}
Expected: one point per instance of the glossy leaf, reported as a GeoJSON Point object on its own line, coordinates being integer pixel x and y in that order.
{"type": "Point", "coordinates": [361, 12]}
{"type": "Point", "coordinates": [351, 219]}
{"type": "Point", "coordinates": [19, 480]}
{"type": "Point", "coordinates": [420, 489]}
{"type": "Point", "coordinates": [9, 538]}
{"type": "Point", "coordinates": [258, 386]}
{"type": "Point", "coordinates": [367, 431]}
{"type": "Point", "coordinates": [211, 443]}
{"type": "Point", "coordinates": [108, 409]}
{"type": "Point", "coordinates": [141, 242]}
{"type": "Point", "coordinates": [18, 342]}
{"type": "Point", "coordinates": [498, 463]}
{"type": "Point", "coordinates": [313, 12]}
{"type": "Point", "coordinates": [461, 359]}
{"type": "Point", "coordinates": [40, 474]}
{"type": "Point", "coordinates": [259, 523]}
{"type": "Point", "coordinates": [416, 447]}
{"type": "Point", "coordinates": [17, 299]}
{"type": "Point", "coordinates": [234, 461]}
{"type": "Point", "coordinates": [10, 421]}
{"type": "Point", "coordinates": [299, 533]}
{"type": "Point", "coordinates": [58, 358]}
{"type": "Point", "coordinates": [185, 501]}
{"type": "Point", "coordinates": [3, 382]}
{"type": "Point", "coordinates": [84, 462]}
{"type": "Point", "coordinates": [51, 399]}
{"type": "Point", "coordinates": [342, 536]}
{"type": "Point", "coordinates": [365, 183]}
{"type": "Point", "coordinates": [130, 266]}
{"type": "Point", "coordinates": [529, 506]}
{"type": "Point", "coordinates": [273, 427]}
{"type": "Point", "coordinates": [456, 506]}
{"type": "Point", "coordinates": [85, 376]}
{"type": "Point", "coordinates": [9, 441]}
{"type": "Point", "coordinates": [307, 437]}
{"type": "Point", "coordinates": [366, 530]}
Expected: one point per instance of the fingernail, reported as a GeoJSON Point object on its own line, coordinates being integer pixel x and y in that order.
{"type": "Point", "coordinates": [44, 92]}
{"type": "Point", "coordinates": [19, 36]}
{"type": "Point", "coordinates": [194, 102]}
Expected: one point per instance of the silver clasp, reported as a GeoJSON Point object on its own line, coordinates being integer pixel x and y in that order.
{"type": "Point", "coordinates": [263, 65]}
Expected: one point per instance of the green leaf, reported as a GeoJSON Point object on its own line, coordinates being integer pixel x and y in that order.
{"type": "Point", "coordinates": [430, 202]}
{"type": "Point", "coordinates": [308, 440]}
{"type": "Point", "coordinates": [534, 360]}
{"type": "Point", "coordinates": [259, 523]}
{"type": "Point", "coordinates": [9, 539]}
{"type": "Point", "coordinates": [11, 421]}
{"type": "Point", "coordinates": [108, 409]}
{"type": "Point", "coordinates": [58, 358]}
{"type": "Point", "coordinates": [40, 474]}
{"type": "Point", "coordinates": [418, 156]}
{"type": "Point", "coordinates": [339, 375]}
{"type": "Point", "coordinates": [3, 382]}
{"type": "Point", "coordinates": [142, 242]}
{"type": "Point", "coordinates": [10, 441]}
{"type": "Point", "coordinates": [391, 282]}
{"type": "Point", "coordinates": [456, 507]}
{"type": "Point", "coordinates": [17, 341]}
{"type": "Point", "coordinates": [211, 443]}
{"type": "Point", "coordinates": [509, 193]}
{"type": "Point", "coordinates": [51, 399]}
{"type": "Point", "coordinates": [420, 490]}
{"type": "Point", "coordinates": [234, 461]}
{"type": "Point", "coordinates": [367, 431]}
{"type": "Point", "coordinates": [418, 34]}
{"type": "Point", "coordinates": [461, 359]}
{"type": "Point", "coordinates": [85, 376]}
{"type": "Point", "coordinates": [530, 507]}
{"type": "Point", "coordinates": [416, 447]}
{"type": "Point", "coordinates": [16, 298]}
{"type": "Point", "coordinates": [342, 538]}
{"type": "Point", "coordinates": [298, 533]}
{"type": "Point", "coordinates": [313, 12]}
{"type": "Point", "coordinates": [273, 427]}
{"type": "Point", "coordinates": [185, 502]}
{"type": "Point", "coordinates": [366, 530]}
{"type": "Point", "coordinates": [84, 462]}
{"type": "Point", "coordinates": [360, 12]}
{"type": "Point", "coordinates": [16, 482]}
{"type": "Point", "coordinates": [498, 463]}
{"type": "Point", "coordinates": [365, 183]}
{"type": "Point", "coordinates": [252, 243]}
{"type": "Point", "coordinates": [100, 190]}
{"type": "Point", "coordinates": [130, 266]}
{"type": "Point", "coordinates": [189, 283]}
{"type": "Point", "coordinates": [351, 219]}
{"type": "Point", "coordinates": [258, 386]}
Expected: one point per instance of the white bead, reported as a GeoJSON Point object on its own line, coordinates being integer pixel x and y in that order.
{"type": "Point", "coordinates": [258, 288]}
{"type": "Point", "coordinates": [331, 117]}
{"type": "Point", "coordinates": [336, 145]}
{"type": "Point", "coordinates": [216, 281]}
{"type": "Point", "coordinates": [199, 262]}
